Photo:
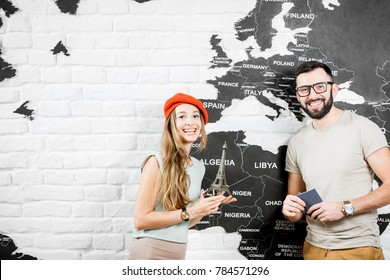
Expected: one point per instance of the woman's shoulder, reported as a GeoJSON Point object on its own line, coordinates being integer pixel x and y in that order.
{"type": "Point", "coordinates": [154, 159]}
{"type": "Point", "coordinates": [197, 164]}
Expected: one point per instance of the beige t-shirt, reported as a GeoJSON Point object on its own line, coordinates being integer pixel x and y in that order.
{"type": "Point", "coordinates": [334, 162]}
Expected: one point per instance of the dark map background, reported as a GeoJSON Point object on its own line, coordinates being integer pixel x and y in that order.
{"type": "Point", "coordinates": [355, 47]}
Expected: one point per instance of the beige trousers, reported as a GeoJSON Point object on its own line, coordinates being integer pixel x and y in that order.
{"type": "Point", "coordinates": [155, 249]}
{"type": "Point", "coordinates": [311, 252]}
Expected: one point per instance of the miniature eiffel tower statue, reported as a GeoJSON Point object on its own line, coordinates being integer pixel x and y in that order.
{"type": "Point", "coordinates": [219, 186]}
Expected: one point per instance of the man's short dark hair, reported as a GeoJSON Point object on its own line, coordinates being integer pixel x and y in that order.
{"type": "Point", "coordinates": [310, 66]}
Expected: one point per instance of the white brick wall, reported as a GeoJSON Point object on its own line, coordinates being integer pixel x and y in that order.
{"type": "Point", "coordinates": [69, 178]}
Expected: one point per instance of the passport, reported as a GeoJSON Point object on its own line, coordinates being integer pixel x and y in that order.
{"type": "Point", "coordinates": [310, 197]}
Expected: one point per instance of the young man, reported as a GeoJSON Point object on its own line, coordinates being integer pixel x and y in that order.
{"type": "Point", "coordinates": [337, 154]}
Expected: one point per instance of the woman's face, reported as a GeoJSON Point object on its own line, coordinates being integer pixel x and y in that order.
{"type": "Point", "coordinates": [188, 122]}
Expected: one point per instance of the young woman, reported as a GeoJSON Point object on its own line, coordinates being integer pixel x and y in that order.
{"type": "Point", "coordinates": [170, 199]}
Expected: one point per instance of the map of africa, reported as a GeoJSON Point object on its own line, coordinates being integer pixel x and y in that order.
{"type": "Point", "coordinates": [256, 98]}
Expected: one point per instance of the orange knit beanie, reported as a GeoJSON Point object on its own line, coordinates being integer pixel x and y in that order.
{"type": "Point", "coordinates": [181, 98]}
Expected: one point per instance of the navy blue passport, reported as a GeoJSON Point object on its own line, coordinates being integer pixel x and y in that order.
{"type": "Point", "coordinates": [310, 197]}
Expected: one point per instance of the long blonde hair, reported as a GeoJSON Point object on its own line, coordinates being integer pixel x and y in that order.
{"type": "Point", "coordinates": [173, 192]}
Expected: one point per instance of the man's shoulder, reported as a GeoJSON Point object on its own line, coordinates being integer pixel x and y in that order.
{"type": "Point", "coordinates": [301, 132]}
{"type": "Point", "coordinates": [359, 119]}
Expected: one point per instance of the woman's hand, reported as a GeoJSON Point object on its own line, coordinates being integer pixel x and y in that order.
{"type": "Point", "coordinates": [228, 199]}
{"type": "Point", "coordinates": [205, 205]}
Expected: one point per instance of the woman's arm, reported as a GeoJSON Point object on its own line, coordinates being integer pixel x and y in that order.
{"type": "Point", "coordinates": [144, 215]}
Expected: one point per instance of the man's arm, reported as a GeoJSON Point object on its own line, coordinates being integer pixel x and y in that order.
{"type": "Point", "coordinates": [379, 161]}
{"type": "Point", "coordinates": [293, 205]}
{"type": "Point", "coordinates": [295, 184]}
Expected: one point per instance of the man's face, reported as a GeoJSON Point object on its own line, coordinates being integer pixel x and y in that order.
{"type": "Point", "coordinates": [316, 105]}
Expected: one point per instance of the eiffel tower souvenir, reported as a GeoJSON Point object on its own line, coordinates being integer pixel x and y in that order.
{"type": "Point", "coordinates": [219, 186]}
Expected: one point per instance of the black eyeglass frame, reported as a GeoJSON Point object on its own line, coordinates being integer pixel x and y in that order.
{"type": "Point", "coordinates": [312, 87]}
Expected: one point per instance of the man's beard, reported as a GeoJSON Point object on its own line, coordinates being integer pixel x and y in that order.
{"type": "Point", "coordinates": [323, 112]}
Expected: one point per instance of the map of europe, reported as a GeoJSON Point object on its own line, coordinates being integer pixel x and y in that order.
{"type": "Point", "coordinates": [256, 96]}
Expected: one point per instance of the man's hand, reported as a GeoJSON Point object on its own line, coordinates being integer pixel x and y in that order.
{"type": "Point", "coordinates": [293, 208]}
{"type": "Point", "coordinates": [326, 211]}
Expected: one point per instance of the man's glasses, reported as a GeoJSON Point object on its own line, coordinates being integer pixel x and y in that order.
{"type": "Point", "coordinates": [320, 87]}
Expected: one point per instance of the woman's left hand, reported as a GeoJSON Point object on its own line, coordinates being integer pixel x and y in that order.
{"type": "Point", "coordinates": [229, 199]}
